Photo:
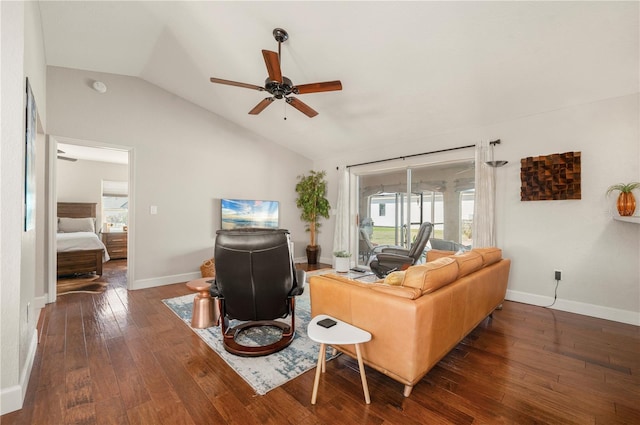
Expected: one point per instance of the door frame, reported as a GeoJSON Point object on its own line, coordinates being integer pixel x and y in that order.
{"type": "Point", "coordinates": [52, 207]}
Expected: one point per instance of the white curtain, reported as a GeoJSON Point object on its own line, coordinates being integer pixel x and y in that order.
{"type": "Point", "coordinates": [484, 233]}
{"type": "Point", "coordinates": [341, 233]}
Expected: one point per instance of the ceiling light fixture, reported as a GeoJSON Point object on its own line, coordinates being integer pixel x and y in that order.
{"type": "Point", "coordinates": [99, 86]}
{"type": "Point", "coordinates": [493, 163]}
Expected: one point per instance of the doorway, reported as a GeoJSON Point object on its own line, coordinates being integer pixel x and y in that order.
{"type": "Point", "coordinates": [77, 175]}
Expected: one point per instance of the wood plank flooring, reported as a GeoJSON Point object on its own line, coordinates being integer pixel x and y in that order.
{"type": "Point", "coordinates": [122, 357]}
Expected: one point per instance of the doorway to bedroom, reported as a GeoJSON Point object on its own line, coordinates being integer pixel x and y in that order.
{"type": "Point", "coordinates": [95, 177]}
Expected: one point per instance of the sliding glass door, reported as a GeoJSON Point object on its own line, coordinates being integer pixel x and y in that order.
{"type": "Point", "coordinates": [393, 204]}
{"type": "Point", "coordinates": [382, 212]}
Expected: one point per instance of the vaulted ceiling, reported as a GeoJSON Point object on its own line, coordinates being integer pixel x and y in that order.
{"type": "Point", "coordinates": [408, 69]}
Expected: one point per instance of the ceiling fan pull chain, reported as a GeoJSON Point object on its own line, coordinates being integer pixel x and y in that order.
{"type": "Point", "coordinates": [285, 111]}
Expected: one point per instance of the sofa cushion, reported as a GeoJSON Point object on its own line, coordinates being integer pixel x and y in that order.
{"type": "Point", "coordinates": [394, 278]}
{"type": "Point", "coordinates": [489, 255]}
{"type": "Point", "coordinates": [432, 275]}
{"type": "Point", "coordinates": [468, 262]}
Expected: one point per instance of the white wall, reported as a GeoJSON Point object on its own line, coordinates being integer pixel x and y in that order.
{"type": "Point", "coordinates": [599, 257]}
{"type": "Point", "coordinates": [81, 181]}
{"type": "Point", "coordinates": [12, 121]}
{"type": "Point", "coordinates": [20, 32]}
{"type": "Point", "coordinates": [186, 159]}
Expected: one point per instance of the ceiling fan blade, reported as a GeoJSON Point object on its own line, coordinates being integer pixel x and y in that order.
{"type": "Point", "coordinates": [318, 87]}
{"type": "Point", "coordinates": [302, 107]}
{"type": "Point", "coordinates": [235, 83]}
{"type": "Point", "coordinates": [66, 158]}
{"type": "Point", "coordinates": [273, 65]}
{"type": "Point", "coordinates": [261, 106]}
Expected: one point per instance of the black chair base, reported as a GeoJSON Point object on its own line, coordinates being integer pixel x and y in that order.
{"type": "Point", "coordinates": [232, 346]}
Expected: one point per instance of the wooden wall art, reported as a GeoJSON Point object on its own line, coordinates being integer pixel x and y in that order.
{"type": "Point", "coordinates": [550, 177]}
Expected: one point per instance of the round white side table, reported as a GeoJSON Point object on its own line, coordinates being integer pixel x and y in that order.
{"type": "Point", "coordinates": [339, 334]}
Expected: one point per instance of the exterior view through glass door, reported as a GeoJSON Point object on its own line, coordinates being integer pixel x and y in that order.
{"type": "Point", "coordinates": [390, 214]}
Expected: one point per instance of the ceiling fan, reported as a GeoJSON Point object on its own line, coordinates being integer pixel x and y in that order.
{"type": "Point", "coordinates": [280, 86]}
{"type": "Point", "coordinates": [66, 158]}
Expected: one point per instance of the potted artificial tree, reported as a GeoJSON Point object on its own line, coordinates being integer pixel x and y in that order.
{"type": "Point", "coordinates": [626, 203]}
{"type": "Point", "coordinates": [311, 190]}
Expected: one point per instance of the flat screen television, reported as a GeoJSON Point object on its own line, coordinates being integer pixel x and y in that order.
{"type": "Point", "coordinates": [238, 213]}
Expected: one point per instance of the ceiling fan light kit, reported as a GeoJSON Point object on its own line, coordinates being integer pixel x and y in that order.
{"type": "Point", "coordinates": [279, 86]}
{"type": "Point", "coordinates": [493, 163]}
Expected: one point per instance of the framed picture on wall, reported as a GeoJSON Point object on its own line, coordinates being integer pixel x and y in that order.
{"type": "Point", "coordinates": [30, 162]}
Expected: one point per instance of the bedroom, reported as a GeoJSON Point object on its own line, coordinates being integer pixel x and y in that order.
{"type": "Point", "coordinates": [91, 182]}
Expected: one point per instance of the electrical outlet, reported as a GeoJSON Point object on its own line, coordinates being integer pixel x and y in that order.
{"type": "Point", "coordinates": [558, 274]}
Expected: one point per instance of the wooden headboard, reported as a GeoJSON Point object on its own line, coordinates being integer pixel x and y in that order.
{"type": "Point", "coordinates": [76, 209]}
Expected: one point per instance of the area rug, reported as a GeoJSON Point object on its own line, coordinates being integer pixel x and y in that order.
{"type": "Point", "coordinates": [262, 373]}
{"type": "Point", "coordinates": [80, 284]}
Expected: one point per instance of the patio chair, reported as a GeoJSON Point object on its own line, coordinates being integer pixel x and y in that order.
{"type": "Point", "coordinates": [367, 248]}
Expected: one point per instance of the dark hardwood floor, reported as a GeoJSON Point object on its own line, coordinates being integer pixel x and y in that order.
{"type": "Point", "coordinates": [122, 357]}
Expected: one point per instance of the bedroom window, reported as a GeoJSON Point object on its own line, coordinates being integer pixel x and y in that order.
{"type": "Point", "coordinates": [115, 204]}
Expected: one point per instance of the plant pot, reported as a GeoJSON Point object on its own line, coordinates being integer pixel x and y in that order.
{"type": "Point", "coordinates": [342, 264]}
{"type": "Point", "coordinates": [312, 254]}
{"type": "Point", "coordinates": [626, 204]}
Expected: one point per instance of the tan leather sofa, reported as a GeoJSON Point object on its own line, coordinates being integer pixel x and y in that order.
{"type": "Point", "coordinates": [424, 313]}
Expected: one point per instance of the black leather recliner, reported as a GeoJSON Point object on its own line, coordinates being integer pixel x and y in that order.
{"type": "Point", "coordinates": [395, 258]}
{"type": "Point", "coordinates": [256, 282]}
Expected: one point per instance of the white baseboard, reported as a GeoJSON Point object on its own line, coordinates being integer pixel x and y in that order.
{"type": "Point", "coordinates": [39, 302]}
{"type": "Point", "coordinates": [592, 310]}
{"type": "Point", "coordinates": [185, 277]}
{"type": "Point", "coordinates": [11, 398]}
{"type": "Point", "coordinates": [165, 280]}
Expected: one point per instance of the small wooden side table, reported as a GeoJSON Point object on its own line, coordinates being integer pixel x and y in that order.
{"type": "Point", "coordinates": [339, 334]}
{"type": "Point", "coordinates": [205, 312]}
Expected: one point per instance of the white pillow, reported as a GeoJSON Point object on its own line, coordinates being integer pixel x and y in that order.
{"type": "Point", "coordinates": [69, 225]}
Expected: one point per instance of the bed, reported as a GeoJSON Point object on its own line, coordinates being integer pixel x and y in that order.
{"type": "Point", "coordinates": [80, 250]}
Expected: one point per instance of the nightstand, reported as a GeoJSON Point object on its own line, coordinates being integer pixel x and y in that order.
{"type": "Point", "coordinates": [116, 243]}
